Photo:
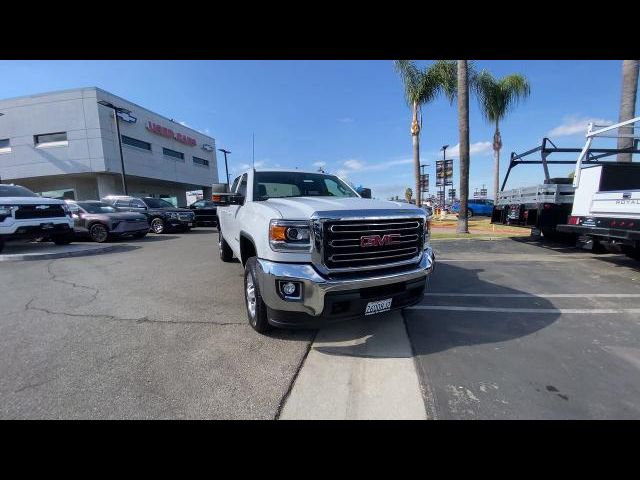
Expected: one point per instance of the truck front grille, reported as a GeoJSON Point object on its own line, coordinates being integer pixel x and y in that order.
{"type": "Point", "coordinates": [357, 244]}
{"type": "Point", "coordinates": [25, 212]}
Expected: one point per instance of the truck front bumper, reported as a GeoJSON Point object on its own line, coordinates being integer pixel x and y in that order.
{"type": "Point", "coordinates": [617, 233]}
{"type": "Point", "coordinates": [325, 299]}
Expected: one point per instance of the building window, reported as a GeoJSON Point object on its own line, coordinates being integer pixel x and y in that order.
{"type": "Point", "coordinates": [5, 145]}
{"type": "Point", "coordinates": [58, 139]}
{"type": "Point", "coordinates": [172, 153]}
{"type": "Point", "coordinates": [201, 161]}
{"type": "Point", "coordinates": [134, 142]}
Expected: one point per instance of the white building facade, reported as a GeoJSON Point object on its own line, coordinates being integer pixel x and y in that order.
{"type": "Point", "coordinates": [64, 145]}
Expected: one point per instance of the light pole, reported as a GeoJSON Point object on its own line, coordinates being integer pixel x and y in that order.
{"type": "Point", "coordinates": [117, 110]}
{"type": "Point", "coordinates": [226, 167]}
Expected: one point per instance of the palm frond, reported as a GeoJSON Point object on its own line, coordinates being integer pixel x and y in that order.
{"type": "Point", "coordinates": [498, 96]}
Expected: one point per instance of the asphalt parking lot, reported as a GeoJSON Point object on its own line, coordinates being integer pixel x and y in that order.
{"type": "Point", "coordinates": [524, 329]}
{"type": "Point", "coordinates": [157, 329]}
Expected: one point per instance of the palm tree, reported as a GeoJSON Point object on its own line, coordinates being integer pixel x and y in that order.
{"type": "Point", "coordinates": [463, 128]}
{"type": "Point", "coordinates": [627, 104]}
{"type": "Point", "coordinates": [408, 193]}
{"type": "Point", "coordinates": [497, 97]}
{"type": "Point", "coordinates": [420, 88]}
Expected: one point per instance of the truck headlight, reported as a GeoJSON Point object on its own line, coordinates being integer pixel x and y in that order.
{"type": "Point", "coordinates": [6, 211]}
{"type": "Point", "coordinates": [289, 235]}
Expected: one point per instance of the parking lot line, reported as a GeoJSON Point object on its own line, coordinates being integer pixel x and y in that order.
{"type": "Point", "coordinates": [526, 310]}
{"type": "Point", "coordinates": [529, 295]}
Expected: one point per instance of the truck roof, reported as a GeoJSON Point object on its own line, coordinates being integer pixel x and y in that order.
{"type": "Point", "coordinates": [293, 170]}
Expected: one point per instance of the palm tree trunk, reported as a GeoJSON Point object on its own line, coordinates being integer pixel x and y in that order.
{"type": "Point", "coordinates": [415, 136]}
{"type": "Point", "coordinates": [416, 167]}
{"type": "Point", "coordinates": [497, 145]}
{"type": "Point", "coordinates": [627, 104]}
{"type": "Point", "coordinates": [463, 128]}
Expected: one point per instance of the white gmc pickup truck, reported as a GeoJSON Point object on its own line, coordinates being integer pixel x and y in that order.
{"type": "Point", "coordinates": [314, 251]}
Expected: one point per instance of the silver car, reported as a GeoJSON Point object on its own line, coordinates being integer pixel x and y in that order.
{"type": "Point", "coordinates": [101, 221]}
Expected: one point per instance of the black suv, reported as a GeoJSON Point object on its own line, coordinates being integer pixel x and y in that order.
{"type": "Point", "coordinates": [161, 214]}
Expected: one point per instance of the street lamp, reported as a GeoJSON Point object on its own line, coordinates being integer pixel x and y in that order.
{"type": "Point", "coordinates": [116, 111]}
{"type": "Point", "coordinates": [226, 167]}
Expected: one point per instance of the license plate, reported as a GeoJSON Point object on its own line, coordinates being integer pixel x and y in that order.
{"type": "Point", "coordinates": [46, 226]}
{"type": "Point", "coordinates": [378, 306]}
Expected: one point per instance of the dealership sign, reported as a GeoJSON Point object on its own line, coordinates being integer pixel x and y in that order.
{"type": "Point", "coordinates": [167, 132]}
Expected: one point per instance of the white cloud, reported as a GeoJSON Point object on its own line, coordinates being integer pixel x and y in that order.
{"type": "Point", "coordinates": [320, 164]}
{"type": "Point", "coordinates": [346, 120]}
{"type": "Point", "coordinates": [573, 124]}
{"type": "Point", "coordinates": [478, 148]}
{"type": "Point", "coordinates": [353, 164]}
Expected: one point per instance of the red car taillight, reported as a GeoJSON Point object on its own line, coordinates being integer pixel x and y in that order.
{"type": "Point", "coordinates": [574, 220]}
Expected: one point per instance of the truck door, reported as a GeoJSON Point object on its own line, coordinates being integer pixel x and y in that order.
{"type": "Point", "coordinates": [227, 217]}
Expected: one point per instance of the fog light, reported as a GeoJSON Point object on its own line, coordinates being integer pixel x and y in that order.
{"type": "Point", "coordinates": [290, 290]}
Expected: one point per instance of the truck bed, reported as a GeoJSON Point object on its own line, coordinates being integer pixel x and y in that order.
{"type": "Point", "coordinates": [538, 194]}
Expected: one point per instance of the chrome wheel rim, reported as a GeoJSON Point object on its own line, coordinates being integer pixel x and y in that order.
{"type": "Point", "coordinates": [156, 225]}
{"type": "Point", "coordinates": [99, 233]}
{"type": "Point", "coordinates": [251, 298]}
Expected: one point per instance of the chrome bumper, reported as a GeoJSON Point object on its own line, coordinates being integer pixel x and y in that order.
{"type": "Point", "coordinates": [316, 286]}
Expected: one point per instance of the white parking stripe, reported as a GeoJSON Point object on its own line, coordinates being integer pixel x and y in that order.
{"type": "Point", "coordinates": [530, 295]}
{"type": "Point", "coordinates": [525, 310]}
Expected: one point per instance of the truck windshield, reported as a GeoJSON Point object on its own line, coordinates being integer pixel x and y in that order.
{"type": "Point", "coordinates": [298, 184]}
{"type": "Point", "coordinates": [157, 203]}
{"type": "Point", "coordinates": [95, 207]}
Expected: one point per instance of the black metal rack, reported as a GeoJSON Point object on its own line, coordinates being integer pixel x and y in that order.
{"type": "Point", "coordinates": [593, 156]}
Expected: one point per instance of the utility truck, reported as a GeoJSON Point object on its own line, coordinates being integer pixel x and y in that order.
{"type": "Point", "coordinates": [545, 207]}
{"type": "Point", "coordinates": [606, 206]}
{"type": "Point", "coordinates": [314, 251]}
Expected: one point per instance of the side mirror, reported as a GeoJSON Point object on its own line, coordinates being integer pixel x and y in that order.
{"type": "Point", "coordinates": [236, 199]}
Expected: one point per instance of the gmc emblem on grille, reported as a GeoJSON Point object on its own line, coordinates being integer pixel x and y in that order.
{"type": "Point", "coordinates": [379, 241]}
{"type": "Point", "coordinates": [42, 207]}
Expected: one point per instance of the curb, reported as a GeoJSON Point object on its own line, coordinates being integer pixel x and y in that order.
{"type": "Point", "coordinates": [52, 255]}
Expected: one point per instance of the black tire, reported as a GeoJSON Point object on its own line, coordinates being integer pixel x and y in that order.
{"type": "Point", "coordinates": [157, 225]}
{"type": "Point", "coordinates": [550, 233]}
{"type": "Point", "coordinates": [99, 233]}
{"type": "Point", "coordinates": [1, 244]}
{"type": "Point", "coordinates": [226, 254]}
{"type": "Point", "coordinates": [140, 235]}
{"type": "Point", "coordinates": [631, 252]}
{"type": "Point", "coordinates": [469, 213]}
{"type": "Point", "coordinates": [256, 308]}
{"type": "Point", "coordinates": [62, 240]}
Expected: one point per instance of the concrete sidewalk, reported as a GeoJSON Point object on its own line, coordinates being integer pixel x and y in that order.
{"type": "Point", "coordinates": [359, 369]}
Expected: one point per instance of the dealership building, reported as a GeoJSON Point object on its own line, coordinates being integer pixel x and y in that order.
{"type": "Point", "coordinates": [65, 145]}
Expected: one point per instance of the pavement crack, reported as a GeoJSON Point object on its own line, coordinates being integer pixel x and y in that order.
{"type": "Point", "coordinates": [285, 397]}
{"type": "Point", "coordinates": [55, 278]}
{"type": "Point", "coordinates": [115, 318]}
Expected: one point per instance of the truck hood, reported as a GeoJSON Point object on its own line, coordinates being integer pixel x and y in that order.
{"type": "Point", "coordinates": [303, 207]}
{"type": "Point", "coordinates": [30, 201]}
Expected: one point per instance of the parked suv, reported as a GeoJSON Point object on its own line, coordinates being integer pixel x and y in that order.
{"type": "Point", "coordinates": [475, 206]}
{"type": "Point", "coordinates": [101, 221]}
{"type": "Point", "coordinates": [162, 216]}
{"type": "Point", "coordinates": [23, 214]}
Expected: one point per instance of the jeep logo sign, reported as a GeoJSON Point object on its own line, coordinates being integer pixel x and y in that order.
{"type": "Point", "coordinates": [379, 241]}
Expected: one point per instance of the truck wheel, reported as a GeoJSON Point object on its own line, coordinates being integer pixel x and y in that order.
{"type": "Point", "coordinates": [226, 255]}
{"type": "Point", "coordinates": [256, 308]}
{"type": "Point", "coordinates": [157, 225]}
{"type": "Point", "coordinates": [631, 252]}
{"type": "Point", "coordinates": [98, 233]}
{"type": "Point", "coordinates": [469, 213]}
{"type": "Point", "coordinates": [62, 240]}
{"type": "Point", "coordinates": [550, 233]}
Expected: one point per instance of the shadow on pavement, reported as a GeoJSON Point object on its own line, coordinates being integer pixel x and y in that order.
{"type": "Point", "coordinates": [433, 331]}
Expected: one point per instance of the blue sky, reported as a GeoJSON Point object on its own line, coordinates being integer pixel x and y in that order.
{"type": "Point", "coordinates": [349, 116]}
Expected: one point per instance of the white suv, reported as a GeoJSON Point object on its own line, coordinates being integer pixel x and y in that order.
{"type": "Point", "coordinates": [23, 214]}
